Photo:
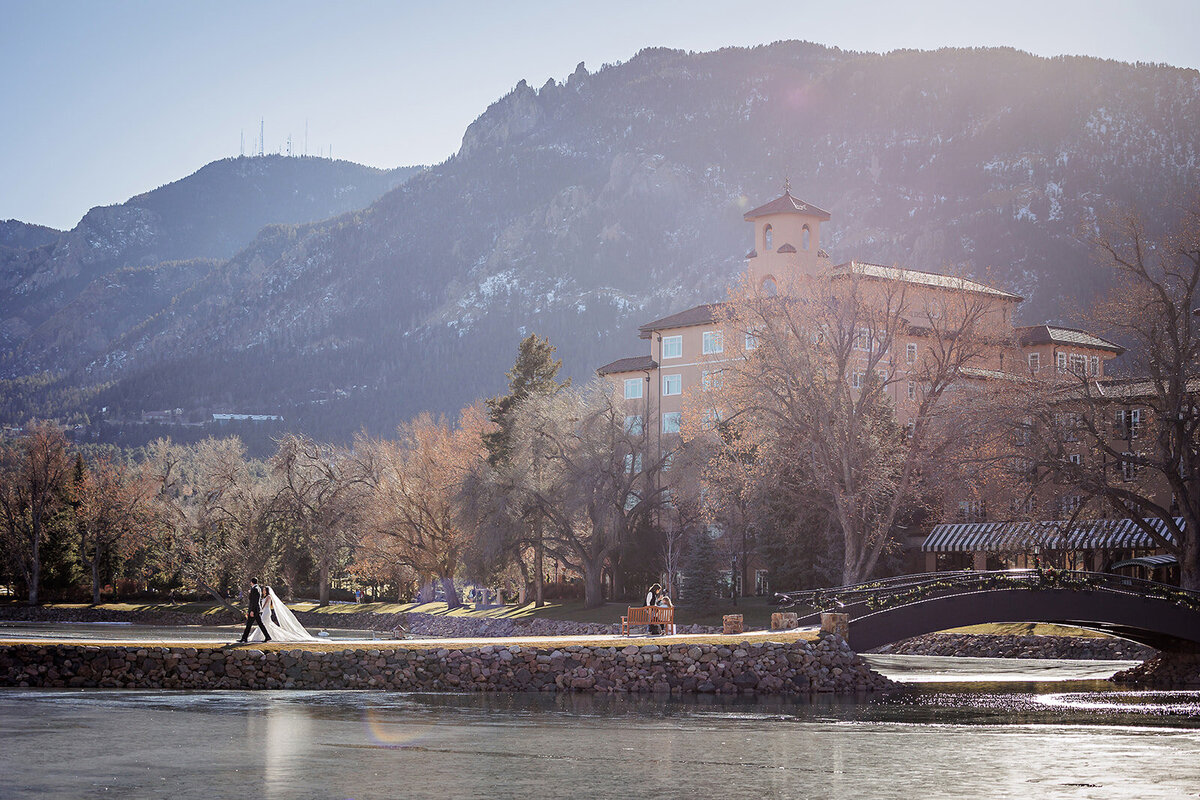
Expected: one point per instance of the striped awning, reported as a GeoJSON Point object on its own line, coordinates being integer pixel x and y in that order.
{"type": "Point", "coordinates": [1016, 537]}
{"type": "Point", "coordinates": [1153, 562]}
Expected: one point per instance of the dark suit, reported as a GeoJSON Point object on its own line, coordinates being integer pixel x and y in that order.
{"type": "Point", "coordinates": [254, 615]}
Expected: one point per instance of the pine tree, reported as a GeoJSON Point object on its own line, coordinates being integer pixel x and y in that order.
{"type": "Point", "coordinates": [534, 373]}
{"type": "Point", "coordinates": [701, 579]}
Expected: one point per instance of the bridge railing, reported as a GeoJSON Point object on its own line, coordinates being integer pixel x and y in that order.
{"type": "Point", "coordinates": [903, 589]}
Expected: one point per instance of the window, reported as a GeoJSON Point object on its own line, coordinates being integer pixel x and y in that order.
{"type": "Point", "coordinates": [762, 583]}
{"type": "Point", "coordinates": [667, 499]}
{"type": "Point", "coordinates": [633, 424]}
{"type": "Point", "coordinates": [768, 237]}
{"type": "Point", "coordinates": [667, 461]}
{"type": "Point", "coordinates": [672, 347]}
{"type": "Point", "coordinates": [751, 341]}
{"type": "Point", "coordinates": [910, 430]}
{"type": "Point", "coordinates": [633, 388]}
{"type": "Point", "coordinates": [1070, 504]}
{"type": "Point", "coordinates": [1023, 433]}
{"type": "Point", "coordinates": [856, 379]}
{"type": "Point", "coordinates": [769, 288]}
{"type": "Point", "coordinates": [670, 422]}
{"type": "Point", "coordinates": [910, 354]}
{"type": "Point", "coordinates": [713, 342]}
{"type": "Point", "coordinates": [1075, 458]}
{"type": "Point", "coordinates": [1035, 362]}
{"type": "Point", "coordinates": [1129, 423]}
{"type": "Point", "coordinates": [1129, 470]}
{"type": "Point", "coordinates": [1068, 424]}
{"type": "Point", "coordinates": [972, 510]}
{"type": "Point", "coordinates": [1021, 506]}
{"type": "Point", "coordinates": [1095, 366]}
{"type": "Point", "coordinates": [862, 339]}
{"type": "Point", "coordinates": [633, 463]}
{"type": "Point", "coordinates": [712, 379]}
{"type": "Point", "coordinates": [1079, 364]}
{"type": "Point", "coordinates": [805, 235]}
{"type": "Point", "coordinates": [912, 390]}
{"type": "Point", "coordinates": [672, 384]}
{"type": "Point", "coordinates": [1061, 361]}
{"type": "Point", "coordinates": [631, 501]}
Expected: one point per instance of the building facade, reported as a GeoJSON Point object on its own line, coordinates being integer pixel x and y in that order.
{"type": "Point", "coordinates": [683, 352]}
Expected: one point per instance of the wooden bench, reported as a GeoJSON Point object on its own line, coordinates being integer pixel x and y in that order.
{"type": "Point", "coordinates": [648, 615]}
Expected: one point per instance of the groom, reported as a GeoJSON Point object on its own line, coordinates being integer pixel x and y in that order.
{"type": "Point", "coordinates": [254, 614]}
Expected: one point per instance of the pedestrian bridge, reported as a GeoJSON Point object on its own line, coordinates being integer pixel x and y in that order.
{"type": "Point", "coordinates": [1159, 615]}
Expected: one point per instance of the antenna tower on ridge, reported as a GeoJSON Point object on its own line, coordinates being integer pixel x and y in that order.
{"type": "Point", "coordinates": [261, 137]}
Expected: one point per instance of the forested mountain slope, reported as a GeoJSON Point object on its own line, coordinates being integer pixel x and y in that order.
{"type": "Point", "coordinates": [583, 208]}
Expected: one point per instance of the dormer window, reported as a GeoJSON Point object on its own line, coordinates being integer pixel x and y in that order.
{"type": "Point", "coordinates": [768, 236]}
{"type": "Point", "coordinates": [769, 288]}
{"type": "Point", "coordinates": [805, 233]}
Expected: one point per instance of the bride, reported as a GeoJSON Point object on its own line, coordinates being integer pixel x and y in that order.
{"type": "Point", "coordinates": [280, 623]}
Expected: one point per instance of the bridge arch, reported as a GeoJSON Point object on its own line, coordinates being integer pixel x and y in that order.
{"type": "Point", "coordinates": [886, 611]}
{"type": "Point", "coordinates": [1157, 623]}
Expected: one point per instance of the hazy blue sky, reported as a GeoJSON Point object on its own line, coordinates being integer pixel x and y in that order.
{"type": "Point", "coordinates": [103, 100]}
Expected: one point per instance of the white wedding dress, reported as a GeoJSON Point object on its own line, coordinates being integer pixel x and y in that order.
{"type": "Point", "coordinates": [289, 628]}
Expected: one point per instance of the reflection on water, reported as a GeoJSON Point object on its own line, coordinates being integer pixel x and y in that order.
{"type": "Point", "coordinates": [932, 740]}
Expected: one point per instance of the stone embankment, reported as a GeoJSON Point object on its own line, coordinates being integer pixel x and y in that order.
{"type": "Point", "coordinates": [1014, 646]}
{"type": "Point", "coordinates": [1165, 670]}
{"type": "Point", "coordinates": [801, 667]}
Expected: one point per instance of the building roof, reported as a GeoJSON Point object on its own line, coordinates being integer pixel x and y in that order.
{"type": "Point", "coordinates": [1052, 334]}
{"type": "Point", "coordinates": [921, 278]}
{"type": "Point", "coordinates": [1007, 537]}
{"type": "Point", "coordinates": [786, 204]}
{"type": "Point", "coordinates": [699, 315]}
{"type": "Point", "coordinates": [631, 364]}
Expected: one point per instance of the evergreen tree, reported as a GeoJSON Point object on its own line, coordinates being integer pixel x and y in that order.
{"type": "Point", "coordinates": [534, 373]}
{"type": "Point", "coordinates": [701, 578]}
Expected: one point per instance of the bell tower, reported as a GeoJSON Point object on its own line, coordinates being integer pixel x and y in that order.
{"type": "Point", "coordinates": [787, 240]}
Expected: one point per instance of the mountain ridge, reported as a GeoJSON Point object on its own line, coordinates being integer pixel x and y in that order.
{"type": "Point", "coordinates": [585, 207]}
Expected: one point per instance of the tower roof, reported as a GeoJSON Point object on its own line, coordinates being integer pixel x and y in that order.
{"type": "Point", "coordinates": [786, 204]}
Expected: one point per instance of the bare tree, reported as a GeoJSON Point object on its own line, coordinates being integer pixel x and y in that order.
{"type": "Point", "coordinates": [593, 479]}
{"type": "Point", "coordinates": [1131, 444]}
{"type": "Point", "coordinates": [113, 508]}
{"type": "Point", "coordinates": [319, 495]}
{"type": "Point", "coordinates": [34, 472]}
{"type": "Point", "coordinates": [817, 396]}
{"type": "Point", "coordinates": [416, 485]}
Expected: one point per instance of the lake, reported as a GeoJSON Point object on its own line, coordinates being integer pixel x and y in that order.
{"type": "Point", "coordinates": [996, 736]}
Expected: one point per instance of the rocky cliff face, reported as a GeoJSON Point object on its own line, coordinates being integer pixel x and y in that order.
{"type": "Point", "coordinates": [582, 208]}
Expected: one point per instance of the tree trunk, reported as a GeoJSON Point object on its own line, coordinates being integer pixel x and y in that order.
{"type": "Point", "coordinates": [523, 591]}
{"type": "Point", "coordinates": [1189, 558]}
{"type": "Point", "coordinates": [539, 568]}
{"type": "Point", "coordinates": [425, 593]}
{"type": "Point", "coordinates": [451, 593]}
{"type": "Point", "coordinates": [618, 579]}
{"type": "Point", "coordinates": [35, 576]}
{"type": "Point", "coordinates": [96, 576]}
{"type": "Point", "coordinates": [593, 569]}
{"type": "Point", "coordinates": [323, 577]}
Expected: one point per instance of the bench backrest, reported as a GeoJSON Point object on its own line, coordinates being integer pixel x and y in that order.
{"type": "Point", "coordinates": [650, 615]}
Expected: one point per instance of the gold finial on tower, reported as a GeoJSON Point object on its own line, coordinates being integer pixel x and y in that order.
{"type": "Point", "coordinates": [787, 184]}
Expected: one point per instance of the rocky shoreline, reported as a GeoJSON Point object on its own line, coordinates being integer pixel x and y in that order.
{"type": "Point", "coordinates": [1017, 646]}
{"type": "Point", "coordinates": [770, 668]}
{"type": "Point", "coordinates": [1164, 671]}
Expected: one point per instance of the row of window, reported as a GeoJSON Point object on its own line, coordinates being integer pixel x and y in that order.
{"type": "Point", "coordinates": [672, 384]}
{"type": "Point", "coordinates": [1075, 363]}
{"type": "Point", "coordinates": [671, 421]}
{"type": "Point", "coordinates": [711, 343]}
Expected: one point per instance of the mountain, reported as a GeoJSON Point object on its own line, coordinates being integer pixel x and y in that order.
{"type": "Point", "coordinates": [17, 235]}
{"type": "Point", "coordinates": [580, 209]}
{"type": "Point", "coordinates": [46, 276]}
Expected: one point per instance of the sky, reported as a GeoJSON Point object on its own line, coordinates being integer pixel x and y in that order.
{"type": "Point", "coordinates": [104, 99]}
